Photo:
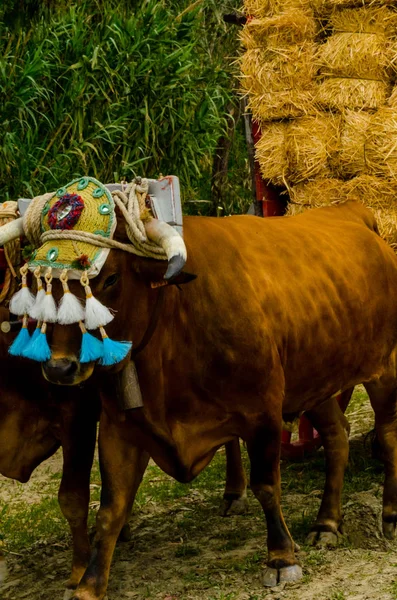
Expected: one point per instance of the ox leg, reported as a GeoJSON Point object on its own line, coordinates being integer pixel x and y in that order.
{"type": "Point", "coordinates": [125, 533]}
{"type": "Point", "coordinates": [78, 435]}
{"type": "Point", "coordinates": [122, 466]}
{"type": "Point", "coordinates": [383, 396]}
{"type": "Point", "coordinates": [235, 496]}
{"type": "Point", "coordinates": [334, 428]}
{"type": "Point", "coordinates": [264, 453]}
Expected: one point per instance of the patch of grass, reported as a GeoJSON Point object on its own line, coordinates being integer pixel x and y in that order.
{"type": "Point", "coordinates": [235, 539]}
{"type": "Point", "coordinates": [26, 524]}
{"type": "Point", "coordinates": [338, 596]}
{"type": "Point", "coordinates": [186, 550]}
{"type": "Point", "coordinates": [223, 596]}
{"type": "Point", "coordinates": [250, 564]}
{"type": "Point", "coordinates": [300, 525]}
{"type": "Point", "coordinates": [393, 589]}
{"type": "Point", "coordinates": [315, 558]}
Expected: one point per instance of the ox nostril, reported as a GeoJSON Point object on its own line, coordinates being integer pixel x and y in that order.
{"type": "Point", "coordinates": [70, 368]}
{"type": "Point", "coordinates": [61, 369]}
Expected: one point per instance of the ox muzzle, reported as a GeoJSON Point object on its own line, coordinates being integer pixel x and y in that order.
{"type": "Point", "coordinates": [66, 370]}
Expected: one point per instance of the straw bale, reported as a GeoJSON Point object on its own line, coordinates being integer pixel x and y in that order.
{"type": "Point", "coordinates": [367, 19]}
{"type": "Point", "coordinates": [386, 219]}
{"type": "Point", "coordinates": [387, 224]}
{"type": "Point", "coordinates": [354, 131]}
{"type": "Point", "coordinates": [374, 192]}
{"type": "Point", "coordinates": [338, 93]}
{"type": "Point", "coordinates": [271, 152]}
{"type": "Point", "coordinates": [358, 56]}
{"type": "Point", "coordinates": [325, 8]}
{"type": "Point", "coordinates": [296, 209]}
{"type": "Point", "coordinates": [381, 144]}
{"type": "Point", "coordinates": [358, 60]}
{"type": "Point", "coordinates": [287, 28]}
{"type": "Point", "coordinates": [320, 192]}
{"type": "Point", "coordinates": [392, 101]}
{"type": "Point", "coordinates": [280, 81]}
{"type": "Point", "coordinates": [266, 8]}
{"type": "Point", "coordinates": [311, 147]}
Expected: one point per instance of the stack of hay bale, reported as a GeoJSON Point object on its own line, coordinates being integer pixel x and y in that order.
{"type": "Point", "coordinates": [319, 75]}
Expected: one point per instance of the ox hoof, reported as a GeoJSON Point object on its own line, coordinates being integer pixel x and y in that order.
{"type": "Point", "coordinates": [289, 574]}
{"type": "Point", "coordinates": [270, 577]}
{"type": "Point", "coordinates": [3, 571]}
{"type": "Point", "coordinates": [234, 504]}
{"type": "Point", "coordinates": [125, 534]}
{"type": "Point", "coordinates": [323, 539]}
{"type": "Point", "coordinates": [273, 577]}
{"type": "Point", "coordinates": [389, 530]}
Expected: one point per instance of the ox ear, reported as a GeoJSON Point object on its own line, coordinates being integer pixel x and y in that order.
{"type": "Point", "coordinates": [178, 280]}
{"type": "Point", "coordinates": [151, 272]}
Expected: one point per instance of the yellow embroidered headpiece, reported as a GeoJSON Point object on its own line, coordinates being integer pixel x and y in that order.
{"type": "Point", "coordinates": [86, 206]}
{"type": "Point", "coordinates": [74, 222]}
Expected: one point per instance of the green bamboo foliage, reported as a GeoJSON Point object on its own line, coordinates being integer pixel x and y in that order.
{"type": "Point", "coordinates": [113, 91]}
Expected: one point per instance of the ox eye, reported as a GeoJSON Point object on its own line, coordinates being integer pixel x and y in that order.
{"type": "Point", "coordinates": [111, 280]}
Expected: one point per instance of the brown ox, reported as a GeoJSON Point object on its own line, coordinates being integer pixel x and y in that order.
{"type": "Point", "coordinates": [283, 314]}
{"type": "Point", "coordinates": [35, 419]}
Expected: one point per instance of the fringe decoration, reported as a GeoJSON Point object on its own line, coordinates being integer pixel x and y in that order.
{"type": "Point", "coordinates": [70, 309]}
{"type": "Point", "coordinates": [49, 308]}
{"type": "Point", "coordinates": [22, 301]}
{"type": "Point", "coordinates": [91, 347]}
{"type": "Point", "coordinates": [36, 312]}
{"type": "Point", "coordinates": [96, 314]}
{"type": "Point", "coordinates": [39, 349]}
{"type": "Point", "coordinates": [36, 333]}
{"type": "Point", "coordinates": [113, 352]}
{"type": "Point", "coordinates": [22, 340]}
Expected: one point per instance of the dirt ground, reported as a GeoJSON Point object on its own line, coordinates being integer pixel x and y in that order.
{"type": "Point", "coordinates": [181, 548]}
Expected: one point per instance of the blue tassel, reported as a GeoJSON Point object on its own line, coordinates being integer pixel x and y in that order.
{"type": "Point", "coordinates": [35, 335]}
{"type": "Point", "coordinates": [20, 343]}
{"type": "Point", "coordinates": [39, 349]}
{"type": "Point", "coordinates": [91, 348]}
{"type": "Point", "coordinates": [113, 352]}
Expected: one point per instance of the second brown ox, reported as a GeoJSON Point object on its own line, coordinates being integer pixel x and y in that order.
{"type": "Point", "coordinates": [282, 315]}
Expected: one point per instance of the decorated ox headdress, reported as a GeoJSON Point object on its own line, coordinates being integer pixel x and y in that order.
{"type": "Point", "coordinates": [71, 233]}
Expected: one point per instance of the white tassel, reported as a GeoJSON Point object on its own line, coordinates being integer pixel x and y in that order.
{"type": "Point", "coordinates": [36, 312]}
{"type": "Point", "coordinates": [70, 309]}
{"type": "Point", "coordinates": [22, 301]}
{"type": "Point", "coordinates": [96, 314]}
{"type": "Point", "coordinates": [49, 308]}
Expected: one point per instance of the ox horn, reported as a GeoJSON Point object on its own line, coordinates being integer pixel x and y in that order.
{"type": "Point", "coordinates": [172, 243]}
{"type": "Point", "coordinates": [11, 231]}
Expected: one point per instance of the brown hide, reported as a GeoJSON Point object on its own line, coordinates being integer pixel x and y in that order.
{"type": "Point", "coordinates": [28, 426]}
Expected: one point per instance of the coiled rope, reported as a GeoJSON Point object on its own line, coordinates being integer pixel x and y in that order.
{"type": "Point", "coordinates": [131, 204]}
{"type": "Point", "coordinates": [12, 252]}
